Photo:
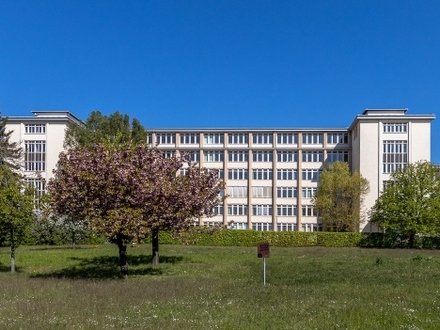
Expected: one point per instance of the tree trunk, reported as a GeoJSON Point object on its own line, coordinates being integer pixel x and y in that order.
{"type": "Point", "coordinates": [73, 240]}
{"type": "Point", "coordinates": [412, 239]}
{"type": "Point", "coordinates": [155, 246]}
{"type": "Point", "coordinates": [12, 252]}
{"type": "Point", "coordinates": [123, 259]}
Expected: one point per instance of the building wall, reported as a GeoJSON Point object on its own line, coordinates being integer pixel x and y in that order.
{"type": "Point", "coordinates": [385, 140]}
{"type": "Point", "coordinates": [270, 174]}
{"type": "Point", "coordinates": [41, 137]}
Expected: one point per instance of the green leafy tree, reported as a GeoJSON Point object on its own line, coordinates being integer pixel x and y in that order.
{"type": "Point", "coordinates": [339, 198]}
{"type": "Point", "coordinates": [99, 128]}
{"type": "Point", "coordinates": [410, 202]}
{"type": "Point", "coordinates": [128, 191]}
{"type": "Point", "coordinates": [16, 208]}
{"type": "Point", "coordinates": [10, 152]}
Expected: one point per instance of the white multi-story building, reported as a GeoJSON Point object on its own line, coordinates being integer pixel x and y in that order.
{"type": "Point", "coordinates": [270, 174]}
{"type": "Point", "coordinates": [42, 138]}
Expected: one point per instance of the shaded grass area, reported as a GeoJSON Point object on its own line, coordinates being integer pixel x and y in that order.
{"type": "Point", "coordinates": [221, 288]}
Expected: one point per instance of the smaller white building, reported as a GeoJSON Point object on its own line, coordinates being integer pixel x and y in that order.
{"type": "Point", "coordinates": [42, 137]}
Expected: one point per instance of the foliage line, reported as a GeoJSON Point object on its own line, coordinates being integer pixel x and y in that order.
{"type": "Point", "coordinates": [205, 236]}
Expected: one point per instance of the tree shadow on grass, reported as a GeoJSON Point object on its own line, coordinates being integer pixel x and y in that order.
{"type": "Point", "coordinates": [60, 247]}
{"type": "Point", "coordinates": [106, 267]}
{"type": "Point", "coordinates": [6, 268]}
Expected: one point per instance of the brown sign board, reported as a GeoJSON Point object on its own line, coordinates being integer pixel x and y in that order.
{"type": "Point", "coordinates": [263, 250]}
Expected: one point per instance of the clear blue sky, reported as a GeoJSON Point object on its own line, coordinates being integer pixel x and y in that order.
{"type": "Point", "coordinates": [231, 63]}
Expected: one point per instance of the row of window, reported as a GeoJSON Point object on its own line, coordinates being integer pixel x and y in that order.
{"type": "Point", "coordinates": [394, 155]}
{"type": "Point", "coordinates": [264, 156]}
{"type": "Point", "coordinates": [266, 192]}
{"type": "Point", "coordinates": [395, 127]}
{"type": "Point", "coordinates": [35, 156]}
{"type": "Point", "coordinates": [257, 138]}
{"type": "Point", "coordinates": [266, 210]}
{"type": "Point", "coordinates": [35, 128]}
{"type": "Point", "coordinates": [282, 174]}
{"type": "Point", "coordinates": [267, 226]}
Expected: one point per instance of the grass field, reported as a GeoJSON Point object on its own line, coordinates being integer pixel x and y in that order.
{"type": "Point", "coordinates": [199, 287]}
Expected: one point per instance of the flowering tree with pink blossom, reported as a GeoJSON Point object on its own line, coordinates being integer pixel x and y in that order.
{"type": "Point", "coordinates": [130, 191]}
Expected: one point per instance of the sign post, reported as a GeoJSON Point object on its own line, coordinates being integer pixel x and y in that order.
{"type": "Point", "coordinates": [263, 252]}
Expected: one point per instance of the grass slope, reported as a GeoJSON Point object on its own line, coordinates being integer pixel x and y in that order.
{"type": "Point", "coordinates": [220, 288]}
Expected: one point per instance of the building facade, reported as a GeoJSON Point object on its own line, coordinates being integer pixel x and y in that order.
{"type": "Point", "coordinates": [271, 175]}
{"type": "Point", "coordinates": [41, 137]}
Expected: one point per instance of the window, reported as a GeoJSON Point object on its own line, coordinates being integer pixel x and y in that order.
{"type": "Point", "coordinates": [218, 210]}
{"type": "Point", "coordinates": [395, 155]}
{"type": "Point", "coordinates": [166, 138]}
{"type": "Point", "coordinates": [312, 138]}
{"type": "Point", "coordinates": [212, 138]}
{"type": "Point", "coordinates": [285, 210]}
{"type": "Point", "coordinates": [262, 156]}
{"type": "Point", "coordinates": [311, 227]}
{"type": "Point", "coordinates": [395, 127]}
{"type": "Point", "coordinates": [262, 192]}
{"type": "Point", "coordinates": [308, 211]}
{"type": "Point", "coordinates": [189, 138]}
{"type": "Point", "coordinates": [168, 154]}
{"type": "Point", "coordinates": [237, 191]}
{"type": "Point", "coordinates": [238, 138]}
{"type": "Point", "coordinates": [183, 171]}
{"type": "Point", "coordinates": [287, 174]}
{"type": "Point", "coordinates": [262, 174]}
{"type": "Point", "coordinates": [261, 209]}
{"type": "Point", "coordinates": [287, 156]}
{"type": "Point", "coordinates": [220, 172]}
{"type": "Point", "coordinates": [262, 226]}
{"type": "Point", "coordinates": [194, 155]}
{"type": "Point", "coordinates": [237, 174]}
{"type": "Point", "coordinates": [238, 225]}
{"type": "Point", "coordinates": [149, 138]}
{"type": "Point", "coordinates": [35, 156]}
{"type": "Point", "coordinates": [312, 156]}
{"type": "Point", "coordinates": [213, 156]}
{"type": "Point", "coordinates": [308, 192]}
{"type": "Point", "coordinates": [337, 156]}
{"type": "Point", "coordinates": [238, 156]}
{"type": "Point", "coordinates": [311, 174]}
{"type": "Point", "coordinates": [287, 227]}
{"type": "Point", "coordinates": [286, 192]}
{"type": "Point", "coordinates": [35, 128]}
{"type": "Point", "coordinates": [38, 185]}
{"type": "Point", "coordinates": [213, 223]}
{"type": "Point", "coordinates": [237, 209]}
{"type": "Point", "coordinates": [337, 138]}
{"type": "Point", "coordinates": [287, 138]}
{"type": "Point", "coordinates": [263, 138]}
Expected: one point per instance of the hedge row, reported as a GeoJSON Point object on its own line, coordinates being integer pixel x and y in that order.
{"type": "Point", "coordinates": [224, 237]}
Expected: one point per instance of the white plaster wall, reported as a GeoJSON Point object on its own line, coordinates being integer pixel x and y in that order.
{"type": "Point", "coordinates": [369, 161]}
{"type": "Point", "coordinates": [419, 141]}
{"type": "Point", "coordinates": [55, 132]}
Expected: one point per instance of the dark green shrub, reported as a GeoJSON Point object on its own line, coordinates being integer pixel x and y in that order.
{"type": "Point", "coordinates": [332, 239]}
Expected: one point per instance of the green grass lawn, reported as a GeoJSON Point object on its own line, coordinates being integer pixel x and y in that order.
{"type": "Point", "coordinates": [198, 287]}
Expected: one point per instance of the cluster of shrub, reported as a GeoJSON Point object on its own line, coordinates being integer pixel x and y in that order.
{"type": "Point", "coordinates": [59, 232]}
{"type": "Point", "coordinates": [56, 231]}
{"type": "Point", "coordinates": [224, 237]}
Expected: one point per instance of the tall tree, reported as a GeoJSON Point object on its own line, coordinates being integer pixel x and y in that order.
{"type": "Point", "coordinates": [410, 202]}
{"type": "Point", "coordinates": [339, 198]}
{"type": "Point", "coordinates": [128, 191]}
{"type": "Point", "coordinates": [99, 128]}
{"type": "Point", "coordinates": [16, 208]}
{"type": "Point", "coordinates": [10, 152]}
